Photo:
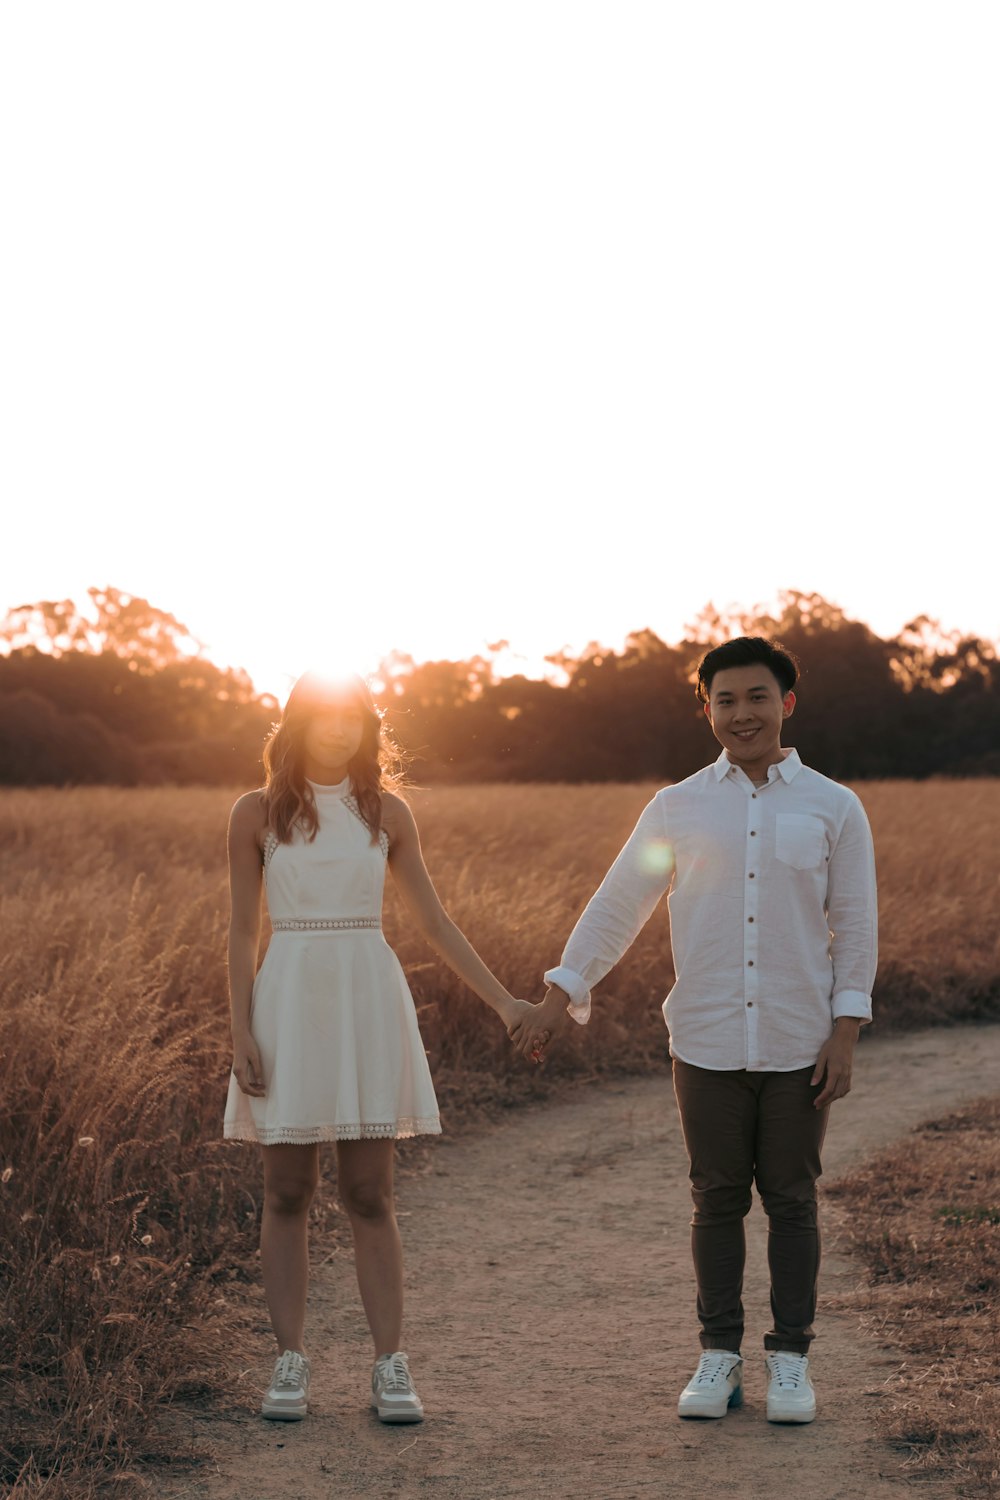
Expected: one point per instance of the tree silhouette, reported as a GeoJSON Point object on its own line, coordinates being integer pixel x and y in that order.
{"type": "Point", "coordinates": [124, 694]}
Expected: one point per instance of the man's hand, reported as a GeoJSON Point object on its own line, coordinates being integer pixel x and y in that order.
{"type": "Point", "coordinates": [540, 1024]}
{"type": "Point", "coordinates": [835, 1062]}
{"type": "Point", "coordinates": [517, 1014]}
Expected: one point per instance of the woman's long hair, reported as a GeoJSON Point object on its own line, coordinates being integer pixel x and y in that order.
{"type": "Point", "coordinates": [376, 768]}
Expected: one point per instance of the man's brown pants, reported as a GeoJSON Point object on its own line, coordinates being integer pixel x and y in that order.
{"type": "Point", "coordinates": [740, 1127]}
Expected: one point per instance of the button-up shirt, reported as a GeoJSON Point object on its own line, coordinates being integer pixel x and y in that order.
{"type": "Point", "coordinates": [772, 914]}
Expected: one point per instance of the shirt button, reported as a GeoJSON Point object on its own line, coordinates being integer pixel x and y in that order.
{"type": "Point", "coordinates": [753, 833]}
{"type": "Point", "coordinates": [749, 919]}
{"type": "Point", "coordinates": [749, 963]}
{"type": "Point", "coordinates": [754, 796]}
{"type": "Point", "coordinates": [752, 876]}
{"type": "Point", "coordinates": [749, 1005]}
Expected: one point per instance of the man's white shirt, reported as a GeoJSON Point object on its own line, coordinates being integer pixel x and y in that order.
{"type": "Point", "coordinates": [773, 917]}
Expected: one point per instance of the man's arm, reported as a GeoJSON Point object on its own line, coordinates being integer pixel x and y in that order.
{"type": "Point", "coordinates": [610, 923]}
{"type": "Point", "coordinates": [852, 912]}
{"type": "Point", "coordinates": [835, 1063]}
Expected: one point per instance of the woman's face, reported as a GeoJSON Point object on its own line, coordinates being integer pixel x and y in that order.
{"type": "Point", "coordinates": [332, 738]}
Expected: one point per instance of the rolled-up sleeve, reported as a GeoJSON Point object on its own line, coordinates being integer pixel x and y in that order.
{"type": "Point", "coordinates": [617, 911]}
{"type": "Point", "coordinates": [852, 913]}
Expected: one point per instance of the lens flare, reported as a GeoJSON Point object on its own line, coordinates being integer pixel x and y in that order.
{"type": "Point", "coordinates": [656, 857]}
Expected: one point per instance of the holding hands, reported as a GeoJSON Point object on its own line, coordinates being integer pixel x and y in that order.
{"type": "Point", "coordinates": [520, 1017]}
{"type": "Point", "coordinates": [534, 1027]}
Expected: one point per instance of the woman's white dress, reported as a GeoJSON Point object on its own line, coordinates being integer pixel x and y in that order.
{"type": "Point", "coordinates": [331, 1012]}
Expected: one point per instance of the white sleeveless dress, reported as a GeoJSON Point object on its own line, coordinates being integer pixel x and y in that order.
{"type": "Point", "coordinates": [331, 1012]}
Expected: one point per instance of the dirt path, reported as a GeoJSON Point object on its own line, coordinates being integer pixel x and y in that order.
{"type": "Point", "coordinates": [550, 1320]}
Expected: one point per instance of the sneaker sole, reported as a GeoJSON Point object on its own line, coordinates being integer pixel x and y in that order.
{"type": "Point", "coordinates": [735, 1401]}
{"type": "Point", "coordinates": [798, 1420]}
{"type": "Point", "coordinates": [393, 1416]}
{"type": "Point", "coordinates": [282, 1414]}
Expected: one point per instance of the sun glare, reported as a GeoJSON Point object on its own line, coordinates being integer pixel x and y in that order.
{"type": "Point", "coordinates": [275, 667]}
{"type": "Point", "coordinates": [335, 668]}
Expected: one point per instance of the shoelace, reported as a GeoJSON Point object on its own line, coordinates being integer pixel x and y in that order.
{"type": "Point", "coordinates": [394, 1375]}
{"type": "Point", "coordinates": [289, 1370]}
{"type": "Point", "coordinates": [711, 1367]}
{"type": "Point", "coordinates": [788, 1370]}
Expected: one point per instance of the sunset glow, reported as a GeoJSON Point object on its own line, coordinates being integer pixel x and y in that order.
{"type": "Point", "coordinates": [366, 360]}
{"type": "Point", "coordinates": [515, 359]}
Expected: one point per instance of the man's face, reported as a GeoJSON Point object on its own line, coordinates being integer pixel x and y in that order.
{"type": "Point", "coordinates": [746, 709]}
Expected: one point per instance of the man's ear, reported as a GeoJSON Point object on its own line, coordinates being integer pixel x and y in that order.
{"type": "Point", "coordinates": [788, 704]}
{"type": "Point", "coordinates": [708, 710]}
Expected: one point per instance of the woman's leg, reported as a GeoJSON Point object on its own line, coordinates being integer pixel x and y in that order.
{"type": "Point", "coordinates": [290, 1177]}
{"type": "Point", "coordinates": [364, 1177]}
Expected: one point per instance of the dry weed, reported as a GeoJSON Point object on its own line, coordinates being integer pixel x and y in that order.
{"type": "Point", "coordinates": [925, 1219]}
{"type": "Point", "coordinates": [125, 1221]}
{"type": "Point", "coordinates": [939, 884]}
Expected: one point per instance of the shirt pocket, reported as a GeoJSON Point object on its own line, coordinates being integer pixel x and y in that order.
{"type": "Point", "coordinates": [799, 840]}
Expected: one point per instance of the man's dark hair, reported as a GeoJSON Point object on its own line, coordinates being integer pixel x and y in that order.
{"type": "Point", "coordinates": [746, 651]}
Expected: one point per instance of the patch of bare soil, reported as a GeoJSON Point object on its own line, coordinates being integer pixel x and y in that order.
{"type": "Point", "coordinates": [550, 1320]}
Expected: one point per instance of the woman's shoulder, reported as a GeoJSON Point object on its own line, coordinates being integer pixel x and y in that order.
{"type": "Point", "coordinates": [249, 811]}
{"type": "Point", "coordinates": [396, 813]}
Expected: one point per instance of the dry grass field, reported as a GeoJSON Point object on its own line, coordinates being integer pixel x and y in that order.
{"type": "Point", "coordinates": [127, 1225]}
{"type": "Point", "coordinates": [925, 1219]}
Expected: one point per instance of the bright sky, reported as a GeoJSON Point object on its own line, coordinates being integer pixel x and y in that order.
{"type": "Point", "coordinates": [335, 328]}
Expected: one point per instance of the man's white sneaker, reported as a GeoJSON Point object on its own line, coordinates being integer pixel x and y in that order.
{"type": "Point", "coordinates": [287, 1400]}
{"type": "Point", "coordinates": [790, 1394]}
{"type": "Point", "coordinates": [715, 1386]}
{"type": "Point", "coordinates": [393, 1393]}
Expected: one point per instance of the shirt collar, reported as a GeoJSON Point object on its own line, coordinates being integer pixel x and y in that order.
{"type": "Point", "coordinates": [787, 769]}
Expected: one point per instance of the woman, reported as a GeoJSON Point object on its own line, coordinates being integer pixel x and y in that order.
{"type": "Point", "coordinates": [326, 1045]}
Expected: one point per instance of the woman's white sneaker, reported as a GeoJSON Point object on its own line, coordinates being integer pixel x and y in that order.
{"type": "Point", "coordinates": [715, 1386]}
{"type": "Point", "coordinates": [393, 1393]}
{"type": "Point", "coordinates": [790, 1394]}
{"type": "Point", "coordinates": [287, 1399]}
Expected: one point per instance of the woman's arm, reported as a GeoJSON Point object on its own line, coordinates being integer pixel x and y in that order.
{"type": "Point", "coordinates": [244, 936]}
{"type": "Point", "coordinates": [406, 862]}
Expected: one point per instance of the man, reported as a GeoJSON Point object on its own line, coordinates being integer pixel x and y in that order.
{"type": "Point", "coordinates": [772, 903]}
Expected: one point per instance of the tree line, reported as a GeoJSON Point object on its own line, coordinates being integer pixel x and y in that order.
{"type": "Point", "coordinates": [126, 696]}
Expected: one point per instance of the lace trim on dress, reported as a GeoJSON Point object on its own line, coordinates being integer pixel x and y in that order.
{"type": "Point", "coordinates": [271, 840]}
{"type": "Point", "coordinates": [321, 924]}
{"type": "Point", "coordinates": [351, 804]}
{"type": "Point", "coordinates": [307, 1135]}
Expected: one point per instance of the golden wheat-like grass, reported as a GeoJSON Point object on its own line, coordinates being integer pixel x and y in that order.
{"type": "Point", "coordinates": [924, 1217]}
{"type": "Point", "coordinates": [125, 1218]}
